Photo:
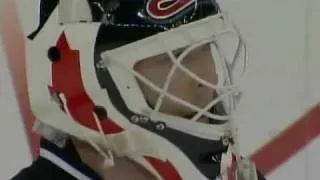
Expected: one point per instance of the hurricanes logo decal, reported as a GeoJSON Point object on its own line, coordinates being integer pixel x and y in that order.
{"type": "Point", "coordinates": [163, 9]}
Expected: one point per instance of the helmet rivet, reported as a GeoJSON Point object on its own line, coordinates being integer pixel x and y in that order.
{"type": "Point", "coordinates": [135, 119]}
{"type": "Point", "coordinates": [54, 54]}
{"type": "Point", "coordinates": [160, 126]}
{"type": "Point", "coordinates": [225, 140]}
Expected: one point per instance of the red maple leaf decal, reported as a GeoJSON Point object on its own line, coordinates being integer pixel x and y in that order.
{"type": "Point", "coordinates": [67, 81]}
{"type": "Point", "coordinates": [166, 170]}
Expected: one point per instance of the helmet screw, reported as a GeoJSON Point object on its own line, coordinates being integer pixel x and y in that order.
{"type": "Point", "coordinates": [54, 54]}
{"type": "Point", "coordinates": [135, 119]}
{"type": "Point", "coordinates": [160, 126]}
{"type": "Point", "coordinates": [225, 140]}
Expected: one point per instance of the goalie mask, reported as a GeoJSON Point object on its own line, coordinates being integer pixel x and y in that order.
{"type": "Point", "coordinates": [84, 66]}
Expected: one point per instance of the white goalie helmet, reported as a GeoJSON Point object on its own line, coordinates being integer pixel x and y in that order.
{"type": "Point", "coordinates": [83, 82]}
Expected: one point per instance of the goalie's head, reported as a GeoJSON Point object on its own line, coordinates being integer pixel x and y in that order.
{"type": "Point", "coordinates": [148, 79]}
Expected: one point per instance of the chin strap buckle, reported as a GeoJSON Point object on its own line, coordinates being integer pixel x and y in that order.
{"type": "Point", "coordinates": [233, 169]}
{"type": "Point", "coordinates": [246, 170]}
